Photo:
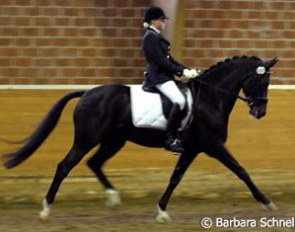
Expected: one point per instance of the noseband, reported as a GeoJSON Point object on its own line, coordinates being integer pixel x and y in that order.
{"type": "Point", "coordinates": [251, 98]}
{"type": "Point", "coordinates": [247, 99]}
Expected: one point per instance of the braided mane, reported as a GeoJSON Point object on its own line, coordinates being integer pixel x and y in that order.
{"type": "Point", "coordinates": [228, 60]}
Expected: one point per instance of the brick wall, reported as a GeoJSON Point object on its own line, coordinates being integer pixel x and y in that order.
{"type": "Point", "coordinates": [218, 29]}
{"type": "Point", "coordinates": [71, 41]}
{"type": "Point", "coordinates": [98, 41]}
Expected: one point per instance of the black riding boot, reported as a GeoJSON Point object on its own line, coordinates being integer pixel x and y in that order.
{"type": "Point", "coordinates": [172, 143]}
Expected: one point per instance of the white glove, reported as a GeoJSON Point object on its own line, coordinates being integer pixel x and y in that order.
{"type": "Point", "coordinates": [191, 73]}
{"type": "Point", "coordinates": [194, 73]}
{"type": "Point", "coordinates": [188, 73]}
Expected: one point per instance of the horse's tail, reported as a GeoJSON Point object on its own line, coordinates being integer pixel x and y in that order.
{"type": "Point", "coordinates": [41, 133]}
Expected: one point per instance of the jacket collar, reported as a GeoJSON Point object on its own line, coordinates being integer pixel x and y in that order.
{"type": "Point", "coordinates": [157, 32]}
{"type": "Point", "coordinates": [154, 29]}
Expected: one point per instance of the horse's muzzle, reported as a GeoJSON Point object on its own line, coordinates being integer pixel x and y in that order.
{"type": "Point", "coordinates": [258, 112]}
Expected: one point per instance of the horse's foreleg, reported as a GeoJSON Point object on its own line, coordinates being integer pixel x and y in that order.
{"type": "Point", "coordinates": [183, 163]}
{"type": "Point", "coordinates": [95, 163]}
{"type": "Point", "coordinates": [232, 164]}
{"type": "Point", "coordinates": [64, 167]}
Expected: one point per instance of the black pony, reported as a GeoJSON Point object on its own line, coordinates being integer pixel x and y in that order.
{"type": "Point", "coordinates": [103, 116]}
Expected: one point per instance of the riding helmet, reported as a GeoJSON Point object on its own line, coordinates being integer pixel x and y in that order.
{"type": "Point", "coordinates": [154, 13]}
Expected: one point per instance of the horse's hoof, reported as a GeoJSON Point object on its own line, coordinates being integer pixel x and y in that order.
{"type": "Point", "coordinates": [45, 213]}
{"type": "Point", "coordinates": [270, 206]}
{"type": "Point", "coordinates": [163, 217]}
{"type": "Point", "coordinates": [114, 199]}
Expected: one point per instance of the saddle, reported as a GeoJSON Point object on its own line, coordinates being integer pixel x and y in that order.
{"type": "Point", "coordinates": [166, 103]}
{"type": "Point", "coordinates": [150, 108]}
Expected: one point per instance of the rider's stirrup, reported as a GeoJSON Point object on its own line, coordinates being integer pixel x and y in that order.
{"type": "Point", "coordinates": [175, 147]}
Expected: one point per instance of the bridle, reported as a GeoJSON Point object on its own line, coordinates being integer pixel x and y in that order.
{"type": "Point", "coordinates": [259, 73]}
{"type": "Point", "coordinates": [251, 98]}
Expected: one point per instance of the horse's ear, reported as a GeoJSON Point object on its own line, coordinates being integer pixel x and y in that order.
{"type": "Point", "coordinates": [272, 62]}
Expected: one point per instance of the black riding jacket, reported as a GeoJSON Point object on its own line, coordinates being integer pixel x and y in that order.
{"type": "Point", "coordinates": [161, 65]}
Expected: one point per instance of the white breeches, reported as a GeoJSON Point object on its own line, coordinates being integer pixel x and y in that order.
{"type": "Point", "coordinates": [170, 90]}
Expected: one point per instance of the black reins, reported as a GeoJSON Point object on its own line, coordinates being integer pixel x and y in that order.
{"type": "Point", "coordinates": [247, 99]}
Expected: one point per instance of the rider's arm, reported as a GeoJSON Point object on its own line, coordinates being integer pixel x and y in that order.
{"type": "Point", "coordinates": [154, 53]}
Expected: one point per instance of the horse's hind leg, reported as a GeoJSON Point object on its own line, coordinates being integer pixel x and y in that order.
{"type": "Point", "coordinates": [107, 150]}
{"type": "Point", "coordinates": [64, 167]}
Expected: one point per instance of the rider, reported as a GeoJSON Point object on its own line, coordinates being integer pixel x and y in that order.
{"type": "Point", "coordinates": [160, 73]}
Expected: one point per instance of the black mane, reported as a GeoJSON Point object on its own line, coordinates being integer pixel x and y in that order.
{"type": "Point", "coordinates": [103, 118]}
{"type": "Point", "coordinates": [226, 61]}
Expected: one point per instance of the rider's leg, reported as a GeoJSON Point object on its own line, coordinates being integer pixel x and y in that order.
{"type": "Point", "coordinates": [170, 90]}
{"type": "Point", "coordinates": [172, 142]}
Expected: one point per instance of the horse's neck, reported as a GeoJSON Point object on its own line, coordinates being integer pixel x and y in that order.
{"type": "Point", "coordinates": [224, 90]}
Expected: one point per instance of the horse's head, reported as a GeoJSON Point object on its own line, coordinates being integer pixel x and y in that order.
{"type": "Point", "coordinates": [225, 80]}
{"type": "Point", "coordinates": [255, 87]}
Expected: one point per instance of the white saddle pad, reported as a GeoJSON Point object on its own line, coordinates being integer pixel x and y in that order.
{"type": "Point", "coordinates": [147, 111]}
